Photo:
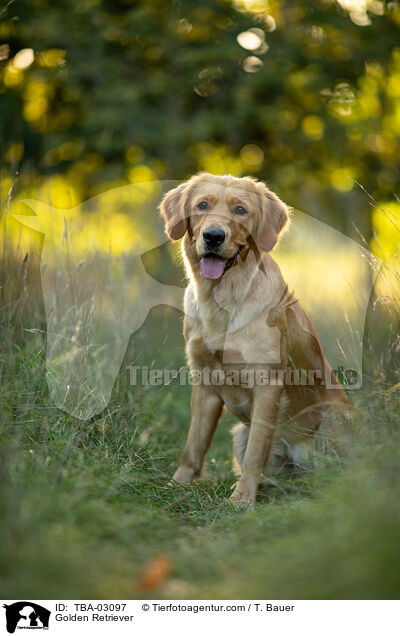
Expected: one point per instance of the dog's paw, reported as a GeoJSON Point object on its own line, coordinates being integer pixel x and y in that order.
{"type": "Point", "coordinates": [239, 504]}
{"type": "Point", "coordinates": [245, 493]}
{"type": "Point", "coordinates": [184, 475]}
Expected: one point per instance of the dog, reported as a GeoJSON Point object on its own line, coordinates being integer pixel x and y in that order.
{"type": "Point", "coordinates": [241, 318]}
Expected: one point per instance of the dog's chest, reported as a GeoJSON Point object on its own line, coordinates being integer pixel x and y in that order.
{"type": "Point", "coordinates": [238, 401]}
{"type": "Point", "coordinates": [232, 379]}
{"type": "Point", "coordinates": [214, 323]}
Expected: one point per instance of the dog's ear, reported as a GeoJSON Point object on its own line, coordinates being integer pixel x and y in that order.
{"type": "Point", "coordinates": [273, 219]}
{"type": "Point", "coordinates": [172, 208]}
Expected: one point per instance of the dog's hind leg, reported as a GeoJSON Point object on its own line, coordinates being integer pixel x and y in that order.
{"type": "Point", "coordinates": [277, 459]}
{"type": "Point", "coordinates": [240, 434]}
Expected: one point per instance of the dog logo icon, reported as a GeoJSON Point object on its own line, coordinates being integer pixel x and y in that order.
{"type": "Point", "coordinates": [26, 615]}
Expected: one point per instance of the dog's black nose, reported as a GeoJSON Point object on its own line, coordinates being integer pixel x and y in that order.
{"type": "Point", "coordinates": [213, 236]}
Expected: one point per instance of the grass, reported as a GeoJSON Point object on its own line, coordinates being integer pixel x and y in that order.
{"type": "Point", "coordinates": [86, 511]}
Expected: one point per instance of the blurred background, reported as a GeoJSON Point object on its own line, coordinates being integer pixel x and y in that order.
{"type": "Point", "coordinates": [305, 97]}
{"type": "Point", "coordinates": [102, 94]}
{"type": "Point", "coordinates": [109, 93]}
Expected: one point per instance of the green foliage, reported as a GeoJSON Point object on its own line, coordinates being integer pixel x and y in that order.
{"type": "Point", "coordinates": [310, 104]}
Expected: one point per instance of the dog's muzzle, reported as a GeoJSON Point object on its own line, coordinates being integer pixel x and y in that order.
{"type": "Point", "coordinates": [213, 266]}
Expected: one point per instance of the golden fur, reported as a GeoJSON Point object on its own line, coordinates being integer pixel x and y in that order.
{"type": "Point", "coordinates": [245, 320]}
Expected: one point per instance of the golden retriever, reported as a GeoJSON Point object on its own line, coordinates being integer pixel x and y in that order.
{"type": "Point", "coordinates": [247, 337]}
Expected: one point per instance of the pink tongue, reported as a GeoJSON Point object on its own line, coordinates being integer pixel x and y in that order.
{"type": "Point", "coordinates": [212, 267]}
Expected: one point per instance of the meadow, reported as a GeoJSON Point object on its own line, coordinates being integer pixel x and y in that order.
{"type": "Point", "coordinates": [85, 506]}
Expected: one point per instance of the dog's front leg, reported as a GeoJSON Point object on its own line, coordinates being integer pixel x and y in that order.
{"type": "Point", "coordinates": [263, 420]}
{"type": "Point", "coordinates": [206, 410]}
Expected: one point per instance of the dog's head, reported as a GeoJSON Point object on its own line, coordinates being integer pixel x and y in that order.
{"type": "Point", "coordinates": [223, 215]}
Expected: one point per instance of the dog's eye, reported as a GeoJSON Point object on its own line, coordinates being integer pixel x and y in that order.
{"type": "Point", "coordinates": [203, 205]}
{"type": "Point", "coordinates": [239, 209]}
